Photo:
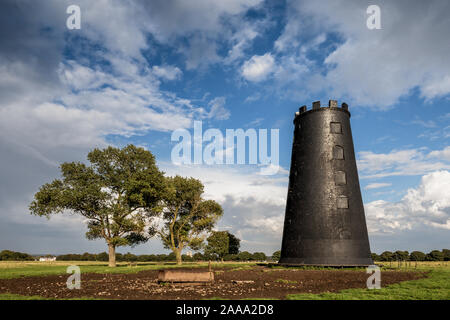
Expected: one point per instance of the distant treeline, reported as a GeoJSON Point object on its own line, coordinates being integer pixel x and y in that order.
{"type": "Point", "coordinates": [242, 256]}
{"type": "Point", "coordinates": [434, 255]}
{"type": "Point", "coordinates": [7, 255]}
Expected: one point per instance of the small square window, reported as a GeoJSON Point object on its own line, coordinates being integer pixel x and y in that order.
{"type": "Point", "coordinates": [339, 178]}
{"type": "Point", "coordinates": [335, 127]}
{"type": "Point", "coordinates": [338, 153]}
{"type": "Point", "coordinates": [342, 202]}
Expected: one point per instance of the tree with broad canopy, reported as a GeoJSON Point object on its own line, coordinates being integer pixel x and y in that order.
{"type": "Point", "coordinates": [117, 194]}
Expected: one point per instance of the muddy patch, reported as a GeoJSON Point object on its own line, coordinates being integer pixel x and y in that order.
{"type": "Point", "coordinates": [257, 282]}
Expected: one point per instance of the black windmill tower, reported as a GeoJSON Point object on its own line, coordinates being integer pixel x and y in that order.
{"type": "Point", "coordinates": [324, 221]}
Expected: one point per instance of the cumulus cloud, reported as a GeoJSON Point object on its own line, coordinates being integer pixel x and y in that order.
{"type": "Point", "coordinates": [242, 194]}
{"type": "Point", "coordinates": [258, 68]}
{"type": "Point", "coordinates": [63, 92]}
{"type": "Point", "coordinates": [402, 162]}
{"type": "Point", "coordinates": [169, 19]}
{"type": "Point", "coordinates": [426, 205]}
{"type": "Point", "coordinates": [91, 105]}
{"type": "Point", "coordinates": [443, 154]}
{"type": "Point", "coordinates": [373, 67]}
{"type": "Point", "coordinates": [203, 23]}
{"type": "Point", "coordinates": [167, 72]}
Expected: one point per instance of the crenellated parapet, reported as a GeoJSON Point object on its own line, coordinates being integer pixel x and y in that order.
{"type": "Point", "coordinates": [332, 104]}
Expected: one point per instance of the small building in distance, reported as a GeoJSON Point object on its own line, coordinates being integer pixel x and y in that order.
{"type": "Point", "coordinates": [47, 258]}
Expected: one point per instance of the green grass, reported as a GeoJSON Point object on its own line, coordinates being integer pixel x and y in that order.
{"type": "Point", "coordinates": [285, 281]}
{"type": "Point", "coordinates": [435, 287]}
{"type": "Point", "coordinates": [10, 270]}
{"type": "Point", "coordinates": [11, 296]}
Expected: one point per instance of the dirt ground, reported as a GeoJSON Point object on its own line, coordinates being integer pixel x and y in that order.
{"type": "Point", "coordinates": [258, 282]}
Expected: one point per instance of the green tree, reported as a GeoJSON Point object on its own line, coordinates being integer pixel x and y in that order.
{"type": "Point", "coordinates": [119, 257]}
{"type": "Point", "coordinates": [233, 243]}
{"type": "Point", "coordinates": [375, 257]}
{"type": "Point", "coordinates": [230, 257]}
{"type": "Point", "coordinates": [417, 256]}
{"type": "Point", "coordinates": [115, 194]}
{"type": "Point", "coordinates": [387, 256]}
{"type": "Point", "coordinates": [218, 245]}
{"type": "Point", "coordinates": [276, 255]}
{"type": "Point", "coordinates": [103, 256]}
{"type": "Point", "coordinates": [259, 256]}
{"type": "Point", "coordinates": [88, 257]}
{"type": "Point", "coordinates": [198, 256]}
{"type": "Point", "coordinates": [8, 255]}
{"type": "Point", "coordinates": [244, 256]}
{"type": "Point", "coordinates": [435, 255]}
{"type": "Point", "coordinates": [446, 253]}
{"type": "Point", "coordinates": [401, 255]}
{"type": "Point", "coordinates": [188, 218]}
{"type": "Point", "coordinates": [130, 257]}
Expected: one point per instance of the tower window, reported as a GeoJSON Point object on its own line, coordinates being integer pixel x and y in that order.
{"type": "Point", "coordinates": [340, 178]}
{"type": "Point", "coordinates": [342, 202]}
{"type": "Point", "coordinates": [335, 127]}
{"type": "Point", "coordinates": [338, 153]}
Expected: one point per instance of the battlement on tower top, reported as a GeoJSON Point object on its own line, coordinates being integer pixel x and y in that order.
{"type": "Point", "coordinates": [332, 104]}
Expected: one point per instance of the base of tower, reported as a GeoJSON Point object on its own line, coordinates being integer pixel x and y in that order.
{"type": "Point", "coordinates": [320, 262]}
{"type": "Point", "coordinates": [324, 265]}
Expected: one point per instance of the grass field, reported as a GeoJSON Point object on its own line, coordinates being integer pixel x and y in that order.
{"type": "Point", "coordinates": [13, 269]}
{"type": "Point", "coordinates": [435, 286]}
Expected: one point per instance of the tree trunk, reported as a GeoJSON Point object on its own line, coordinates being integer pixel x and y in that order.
{"type": "Point", "coordinates": [178, 255]}
{"type": "Point", "coordinates": [112, 255]}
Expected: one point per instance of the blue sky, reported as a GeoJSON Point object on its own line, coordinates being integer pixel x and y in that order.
{"type": "Point", "coordinates": [136, 71]}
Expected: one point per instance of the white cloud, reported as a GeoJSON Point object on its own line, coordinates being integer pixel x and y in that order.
{"type": "Point", "coordinates": [270, 225]}
{"type": "Point", "coordinates": [401, 162]}
{"type": "Point", "coordinates": [436, 134]}
{"type": "Point", "coordinates": [423, 123]}
{"type": "Point", "coordinates": [53, 109]}
{"type": "Point", "coordinates": [426, 205]}
{"type": "Point", "coordinates": [240, 182]}
{"type": "Point", "coordinates": [202, 23]}
{"type": "Point", "coordinates": [218, 110]}
{"type": "Point", "coordinates": [242, 192]}
{"type": "Point", "coordinates": [443, 154]}
{"type": "Point", "coordinates": [241, 40]}
{"type": "Point", "coordinates": [200, 52]}
{"type": "Point", "coordinates": [373, 67]}
{"type": "Point", "coordinates": [437, 88]}
{"type": "Point", "coordinates": [258, 68]}
{"type": "Point", "coordinates": [167, 72]}
{"type": "Point", "coordinates": [92, 104]}
{"type": "Point", "coordinates": [167, 20]}
{"type": "Point", "coordinates": [377, 185]}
